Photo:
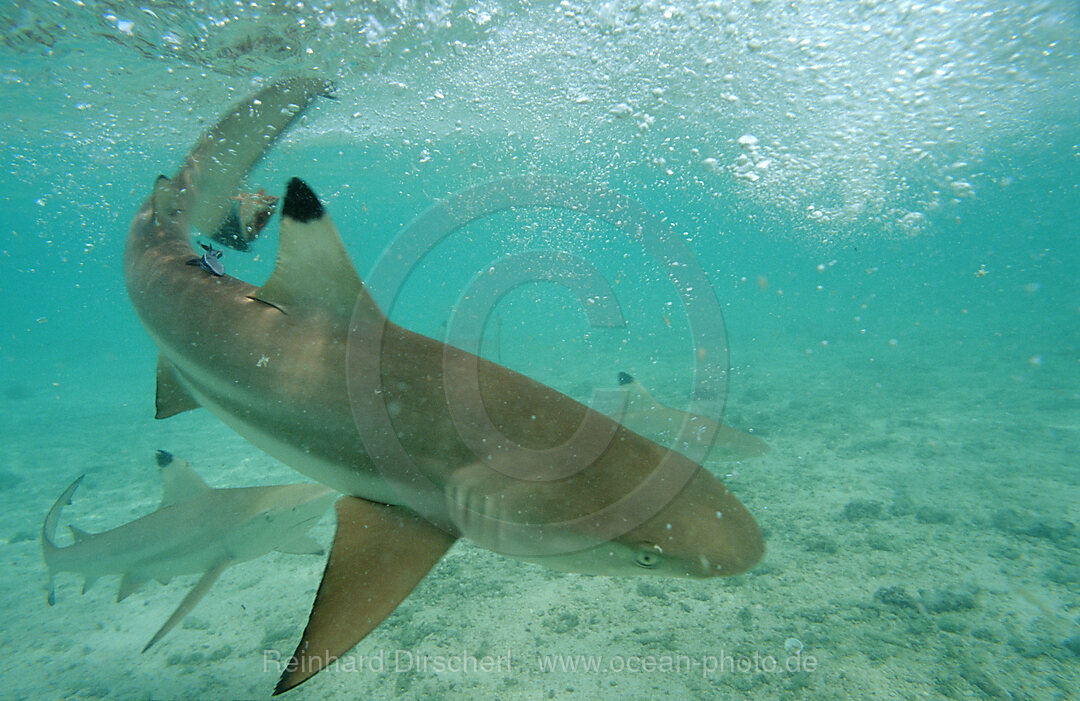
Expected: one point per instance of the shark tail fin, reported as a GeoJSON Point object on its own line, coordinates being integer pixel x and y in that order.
{"type": "Point", "coordinates": [380, 554]}
{"type": "Point", "coordinates": [49, 548]}
{"type": "Point", "coordinates": [213, 171]}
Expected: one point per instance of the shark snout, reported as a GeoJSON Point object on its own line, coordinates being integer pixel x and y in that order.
{"type": "Point", "coordinates": [740, 551]}
{"type": "Point", "coordinates": [738, 543]}
{"type": "Point", "coordinates": [707, 530]}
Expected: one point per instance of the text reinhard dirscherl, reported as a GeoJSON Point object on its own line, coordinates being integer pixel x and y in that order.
{"type": "Point", "coordinates": [411, 661]}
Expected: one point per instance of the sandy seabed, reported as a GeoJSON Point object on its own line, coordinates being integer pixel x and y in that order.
{"type": "Point", "coordinates": [919, 525]}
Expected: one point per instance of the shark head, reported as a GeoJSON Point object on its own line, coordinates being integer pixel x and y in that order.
{"type": "Point", "coordinates": [703, 532]}
{"type": "Point", "coordinates": [299, 505]}
{"type": "Point", "coordinates": [286, 509]}
{"type": "Point", "coordinates": [661, 514]}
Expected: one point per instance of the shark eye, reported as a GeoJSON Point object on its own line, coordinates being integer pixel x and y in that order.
{"type": "Point", "coordinates": [647, 559]}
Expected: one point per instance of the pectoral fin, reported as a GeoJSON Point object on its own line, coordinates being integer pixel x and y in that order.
{"type": "Point", "coordinates": [380, 554]}
{"type": "Point", "coordinates": [190, 600]}
{"type": "Point", "coordinates": [300, 545]}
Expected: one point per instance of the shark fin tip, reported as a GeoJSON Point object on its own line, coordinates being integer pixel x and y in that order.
{"type": "Point", "coordinates": [281, 687]}
{"type": "Point", "coordinates": [301, 203]}
{"type": "Point", "coordinates": [73, 487]}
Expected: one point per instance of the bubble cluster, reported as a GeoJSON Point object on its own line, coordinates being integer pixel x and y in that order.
{"type": "Point", "coordinates": [833, 118]}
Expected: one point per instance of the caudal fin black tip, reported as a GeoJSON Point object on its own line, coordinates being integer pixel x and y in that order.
{"type": "Point", "coordinates": [301, 203]}
{"type": "Point", "coordinates": [625, 378]}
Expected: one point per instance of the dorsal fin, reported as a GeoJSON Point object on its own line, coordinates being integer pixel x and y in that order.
{"type": "Point", "coordinates": [313, 269]}
{"type": "Point", "coordinates": [180, 483]}
{"type": "Point", "coordinates": [638, 398]}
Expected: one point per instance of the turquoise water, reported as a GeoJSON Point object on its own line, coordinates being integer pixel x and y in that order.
{"type": "Point", "coordinates": [883, 197]}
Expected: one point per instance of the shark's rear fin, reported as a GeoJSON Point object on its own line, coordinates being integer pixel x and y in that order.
{"type": "Point", "coordinates": [171, 398]}
{"type": "Point", "coordinates": [48, 529]}
{"type": "Point", "coordinates": [313, 269]}
{"type": "Point", "coordinates": [78, 534]}
{"type": "Point", "coordinates": [48, 532]}
{"type": "Point", "coordinates": [380, 554]}
{"type": "Point", "coordinates": [212, 173]}
{"type": "Point", "coordinates": [129, 585]}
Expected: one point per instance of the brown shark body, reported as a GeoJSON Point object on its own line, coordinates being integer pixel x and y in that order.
{"type": "Point", "coordinates": [430, 443]}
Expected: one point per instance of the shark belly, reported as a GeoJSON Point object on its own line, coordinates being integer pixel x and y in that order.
{"type": "Point", "coordinates": [319, 442]}
{"type": "Point", "coordinates": [359, 479]}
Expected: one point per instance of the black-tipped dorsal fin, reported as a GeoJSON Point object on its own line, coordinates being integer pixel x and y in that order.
{"type": "Point", "coordinates": [380, 554]}
{"type": "Point", "coordinates": [171, 397]}
{"type": "Point", "coordinates": [180, 483]}
{"type": "Point", "coordinates": [638, 399]}
{"type": "Point", "coordinates": [313, 269]}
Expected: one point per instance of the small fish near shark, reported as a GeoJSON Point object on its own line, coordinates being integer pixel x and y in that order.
{"type": "Point", "coordinates": [195, 530]}
{"type": "Point", "coordinates": [428, 443]}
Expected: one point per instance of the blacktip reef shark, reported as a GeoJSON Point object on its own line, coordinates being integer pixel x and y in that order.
{"type": "Point", "coordinates": [648, 416]}
{"type": "Point", "coordinates": [195, 530]}
{"type": "Point", "coordinates": [428, 443]}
